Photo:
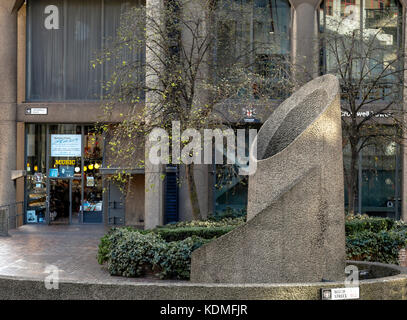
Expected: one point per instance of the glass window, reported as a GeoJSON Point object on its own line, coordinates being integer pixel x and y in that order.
{"type": "Point", "coordinates": [93, 188]}
{"type": "Point", "coordinates": [373, 29]}
{"type": "Point", "coordinates": [63, 37]}
{"type": "Point", "coordinates": [36, 137]}
{"type": "Point", "coordinates": [379, 178]}
{"type": "Point", "coordinates": [65, 161]}
{"type": "Point", "coordinates": [255, 35]}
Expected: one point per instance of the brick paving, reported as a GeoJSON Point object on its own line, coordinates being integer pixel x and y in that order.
{"type": "Point", "coordinates": [71, 248]}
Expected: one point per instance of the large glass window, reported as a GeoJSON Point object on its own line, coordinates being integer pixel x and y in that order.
{"type": "Point", "coordinates": [63, 164]}
{"type": "Point", "coordinates": [36, 154]}
{"type": "Point", "coordinates": [367, 33]}
{"type": "Point", "coordinates": [255, 36]}
{"type": "Point", "coordinates": [63, 37]}
{"type": "Point", "coordinates": [93, 189]}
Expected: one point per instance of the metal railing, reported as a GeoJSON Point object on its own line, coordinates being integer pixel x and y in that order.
{"type": "Point", "coordinates": [11, 217]}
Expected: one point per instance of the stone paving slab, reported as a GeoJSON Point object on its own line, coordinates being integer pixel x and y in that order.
{"type": "Point", "coordinates": [71, 248]}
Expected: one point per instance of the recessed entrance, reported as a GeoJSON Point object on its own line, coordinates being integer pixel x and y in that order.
{"type": "Point", "coordinates": [60, 209]}
{"type": "Point", "coordinates": [64, 184]}
{"type": "Point", "coordinates": [64, 201]}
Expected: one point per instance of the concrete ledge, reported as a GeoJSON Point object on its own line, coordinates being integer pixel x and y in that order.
{"type": "Point", "coordinates": [392, 287]}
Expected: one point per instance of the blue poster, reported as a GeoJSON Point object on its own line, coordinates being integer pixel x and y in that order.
{"type": "Point", "coordinates": [53, 173]}
{"type": "Point", "coordinates": [66, 171]}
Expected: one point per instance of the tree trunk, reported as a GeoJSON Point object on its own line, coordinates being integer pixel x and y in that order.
{"type": "Point", "coordinates": [352, 179]}
{"type": "Point", "coordinates": [193, 194]}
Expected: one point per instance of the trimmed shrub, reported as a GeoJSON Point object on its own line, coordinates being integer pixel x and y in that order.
{"type": "Point", "coordinates": [132, 253]}
{"type": "Point", "coordinates": [173, 260]}
{"type": "Point", "coordinates": [382, 246]}
{"type": "Point", "coordinates": [207, 223]}
{"type": "Point", "coordinates": [179, 234]}
{"type": "Point", "coordinates": [368, 224]}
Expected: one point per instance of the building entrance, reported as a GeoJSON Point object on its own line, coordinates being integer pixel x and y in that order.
{"type": "Point", "coordinates": [60, 201]}
{"type": "Point", "coordinates": [64, 184]}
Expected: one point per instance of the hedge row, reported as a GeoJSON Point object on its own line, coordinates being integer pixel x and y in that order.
{"type": "Point", "coordinates": [369, 224]}
{"type": "Point", "coordinates": [131, 253]}
{"type": "Point", "coordinates": [383, 246]}
{"type": "Point", "coordinates": [166, 251]}
{"type": "Point", "coordinates": [178, 234]}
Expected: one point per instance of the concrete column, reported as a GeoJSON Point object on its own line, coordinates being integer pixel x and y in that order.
{"type": "Point", "coordinates": [305, 45]}
{"type": "Point", "coordinates": [8, 97]}
{"type": "Point", "coordinates": [154, 182]}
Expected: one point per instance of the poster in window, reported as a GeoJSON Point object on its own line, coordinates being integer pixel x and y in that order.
{"type": "Point", "coordinates": [90, 181]}
{"type": "Point", "coordinates": [31, 216]}
{"type": "Point", "coordinates": [66, 145]}
{"type": "Point", "coordinates": [66, 171]}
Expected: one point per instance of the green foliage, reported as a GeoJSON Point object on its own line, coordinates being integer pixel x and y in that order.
{"type": "Point", "coordinates": [374, 239]}
{"type": "Point", "coordinates": [179, 234]}
{"type": "Point", "coordinates": [382, 246]}
{"type": "Point", "coordinates": [229, 213]}
{"type": "Point", "coordinates": [132, 253]}
{"type": "Point", "coordinates": [207, 223]}
{"type": "Point", "coordinates": [166, 251]}
{"type": "Point", "coordinates": [368, 224]}
{"type": "Point", "coordinates": [173, 259]}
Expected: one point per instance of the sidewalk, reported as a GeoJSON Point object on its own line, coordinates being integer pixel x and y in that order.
{"type": "Point", "coordinates": [71, 248]}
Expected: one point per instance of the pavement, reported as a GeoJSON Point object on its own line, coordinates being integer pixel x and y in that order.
{"type": "Point", "coordinates": [31, 249]}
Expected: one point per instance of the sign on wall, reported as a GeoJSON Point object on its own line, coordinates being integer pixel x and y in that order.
{"type": "Point", "coordinates": [66, 145]}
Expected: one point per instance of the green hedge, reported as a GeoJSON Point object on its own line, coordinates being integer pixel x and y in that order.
{"type": "Point", "coordinates": [178, 234]}
{"type": "Point", "coordinates": [368, 224]}
{"type": "Point", "coordinates": [166, 251]}
{"type": "Point", "coordinates": [207, 223]}
{"type": "Point", "coordinates": [382, 246]}
{"type": "Point", "coordinates": [133, 253]}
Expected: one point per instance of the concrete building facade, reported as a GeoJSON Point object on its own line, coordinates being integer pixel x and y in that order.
{"type": "Point", "coordinates": [48, 98]}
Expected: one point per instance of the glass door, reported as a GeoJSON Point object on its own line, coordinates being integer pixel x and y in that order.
{"type": "Point", "coordinates": [64, 164]}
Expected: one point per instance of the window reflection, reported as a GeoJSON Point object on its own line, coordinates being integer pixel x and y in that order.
{"type": "Point", "coordinates": [93, 188]}
{"type": "Point", "coordinates": [377, 27]}
{"type": "Point", "coordinates": [253, 35]}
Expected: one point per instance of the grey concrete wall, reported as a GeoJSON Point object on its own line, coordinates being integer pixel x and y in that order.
{"type": "Point", "coordinates": [8, 98]}
{"type": "Point", "coordinates": [72, 112]}
{"type": "Point", "coordinates": [135, 201]}
{"type": "Point", "coordinates": [295, 230]}
{"type": "Point", "coordinates": [389, 288]}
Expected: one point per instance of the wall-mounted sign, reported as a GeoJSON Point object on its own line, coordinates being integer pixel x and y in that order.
{"type": "Point", "coordinates": [36, 111]}
{"type": "Point", "coordinates": [66, 145]}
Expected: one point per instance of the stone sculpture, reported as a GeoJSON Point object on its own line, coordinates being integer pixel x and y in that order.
{"type": "Point", "coordinates": [295, 223]}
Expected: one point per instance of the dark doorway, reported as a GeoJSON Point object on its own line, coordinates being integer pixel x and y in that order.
{"type": "Point", "coordinates": [60, 201]}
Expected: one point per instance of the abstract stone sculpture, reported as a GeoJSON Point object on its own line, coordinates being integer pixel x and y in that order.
{"type": "Point", "coordinates": [295, 222]}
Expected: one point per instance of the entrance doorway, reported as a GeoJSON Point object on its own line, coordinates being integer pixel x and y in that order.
{"type": "Point", "coordinates": [64, 201]}
{"type": "Point", "coordinates": [60, 201]}
{"type": "Point", "coordinates": [64, 180]}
